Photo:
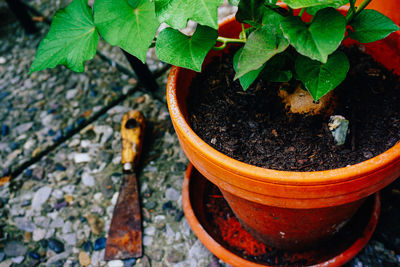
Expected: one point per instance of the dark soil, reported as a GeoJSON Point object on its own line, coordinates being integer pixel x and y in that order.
{"type": "Point", "coordinates": [253, 126]}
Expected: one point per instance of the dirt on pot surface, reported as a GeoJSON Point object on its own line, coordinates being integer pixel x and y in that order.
{"type": "Point", "coordinates": [253, 127]}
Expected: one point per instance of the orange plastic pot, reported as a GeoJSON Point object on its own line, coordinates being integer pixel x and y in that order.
{"type": "Point", "coordinates": [287, 210]}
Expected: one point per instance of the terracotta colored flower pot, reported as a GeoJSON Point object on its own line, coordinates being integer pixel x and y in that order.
{"type": "Point", "coordinates": [287, 210]}
{"type": "Point", "coordinates": [388, 7]}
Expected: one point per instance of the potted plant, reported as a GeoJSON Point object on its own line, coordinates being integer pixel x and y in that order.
{"type": "Point", "coordinates": [285, 209]}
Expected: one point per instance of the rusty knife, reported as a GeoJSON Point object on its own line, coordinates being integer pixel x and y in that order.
{"type": "Point", "coordinates": [125, 235]}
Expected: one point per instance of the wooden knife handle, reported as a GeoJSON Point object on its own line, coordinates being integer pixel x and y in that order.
{"type": "Point", "coordinates": [132, 133]}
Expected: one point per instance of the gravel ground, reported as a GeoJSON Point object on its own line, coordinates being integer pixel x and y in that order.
{"type": "Point", "coordinates": [57, 211]}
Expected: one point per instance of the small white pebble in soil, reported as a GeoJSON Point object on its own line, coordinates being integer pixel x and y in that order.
{"type": "Point", "coordinates": [339, 126]}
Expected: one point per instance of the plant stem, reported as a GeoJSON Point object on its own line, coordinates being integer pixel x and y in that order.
{"type": "Point", "coordinates": [244, 33]}
{"type": "Point", "coordinates": [360, 8]}
{"type": "Point", "coordinates": [225, 41]}
{"type": "Point", "coordinates": [302, 12]}
{"type": "Point", "coordinates": [352, 5]}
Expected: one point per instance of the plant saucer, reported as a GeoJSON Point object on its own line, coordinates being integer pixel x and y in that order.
{"type": "Point", "coordinates": [214, 223]}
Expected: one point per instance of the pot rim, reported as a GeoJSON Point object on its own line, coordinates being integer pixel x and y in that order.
{"type": "Point", "coordinates": [333, 176]}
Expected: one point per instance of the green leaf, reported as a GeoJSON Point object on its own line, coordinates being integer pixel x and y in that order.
{"type": "Point", "coordinates": [72, 39]}
{"type": "Point", "coordinates": [250, 11]}
{"type": "Point", "coordinates": [247, 79]}
{"type": "Point", "coordinates": [261, 45]}
{"type": "Point", "coordinates": [274, 69]}
{"type": "Point", "coordinates": [370, 26]}
{"type": "Point", "coordinates": [278, 76]}
{"type": "Point", "coordinates": [314, 9]}
{"type": "Point", "coordinates": [234, 2]}
{"type": "Point", "coordinates": [176, 13]}
{"type": "Point", "coordinates": [135, 3]}
{"type": "Point", "coordinates": [189, 52]}
{"type": "Point", "coordinates": [131, 29]}
{"type": "Point", "coordinates": [320, 79]}
{"type": "Point", "coordinates": [308, 3]}
{"type": "Point", "coordinates": [319, 39]}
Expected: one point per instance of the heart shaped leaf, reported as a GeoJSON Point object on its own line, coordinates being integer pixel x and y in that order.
{"type": "Point", "coordinates": [319, 39]}
{"type": "Point", "coordinates": [247, 79]}
{"type": "Point", "coordinates": [262, 44]}
{"type": "Point", "coordinates": [234, 2]}
{"type": "Point", "coordinates": [277, 68]}
{"type": "Point", "coordinates": [336, 4]}
{"type": "Point", "coordinates": [320, 79]}
{"type": "Point", "coordinates": [176, 13]}
{"type": "Point", "coordinates": [307, 3]}
{"type": "Point", "coordinates": [72, 39]}
{"type": "Point", "coordinates": [131, 29]}
{"type": "Point", "coordinates": [250, 11]}
{"type": "Point", "coordinates": [370, 26]}
{"type": "Point", "coordinates": [185, 51]}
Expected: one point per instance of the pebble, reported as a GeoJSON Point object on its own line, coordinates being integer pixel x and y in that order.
{"type": "Point", "coordinates": [34, 255]}
{"type": "Point", "coordinates": [60, 205]}
{"type": "Point", "coordinates": [96, 224]}
{"type": "Point", "coordinates": [55, 245]}
{"type": "Point", "coordinates": [18, 259]}
{"type": "Point", "coordinates": [87, 246]}
{"type": "Point", "coordinates": [84, 259]}
{"type": "Point", "coordinates": [60, 167]}
{"type": "Point", "coordinates": [58, 136]}
{"type": "Point", "coordinates": [172, 194]}
{"type": "Point", "coordinates": [144, 261]}
{"type": "Point", "coordinates": [175, 256]}
{"type": "Point", "coordinates": [82, 157]}
{"type": "Point", "coordinates": [4, 129]}
{"type": "Point", "coordinates": [129, 262]}
{"type": "Point", "coordinates": [151, 230]}
{"type": "Point", "coordinates": [70, 239]}
{"type": "Point", "coordinates": [71, 94]}
{"type": "Point", "coordinates": [214, 262]}
{"type": "Point", "coordinates": [57, 223]}
{"type": "Point", "coordinates": [100, 243]}
{"type": "Point", "coordinates": [2, 256]}
{"type": "Point", "coordinates": [157, 254]}
{"type": "Point", "coordinates": [25, 224]}
{"type": "Point", "coordinates": [97, 258]}
{"type": "Point", "coordinates": [115, 263]}
{"type": "Point", "coordinates": [14, 249]}
{"type": "Point", "coordinates": [40, 197]}
{"type": "Point", "coordinates": [69, 198]}
{"type": "Point", "coordinates": [88, 179]}
{"type": "Point", "coordinates": [147, 240]}
{"type": "Point", "coordinates": [39, 234]}
{"type": "Point", "coordinates": [179, 215]}
{"type": "Point", "coordinates": [38, 173]}
{"type": "Point", "coordinates": [27, 237]}
{"type": "Point", "coordinates": [23, 128]}
{"type": "Point", "coordinates": [3, 60]}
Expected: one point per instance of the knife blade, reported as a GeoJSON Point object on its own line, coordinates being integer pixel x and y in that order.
{"type": "Point", "coordinates": [125, 235]}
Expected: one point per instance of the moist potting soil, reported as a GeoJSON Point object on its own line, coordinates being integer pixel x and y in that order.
{"type": "Point", "coordinates": [253, 127]}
